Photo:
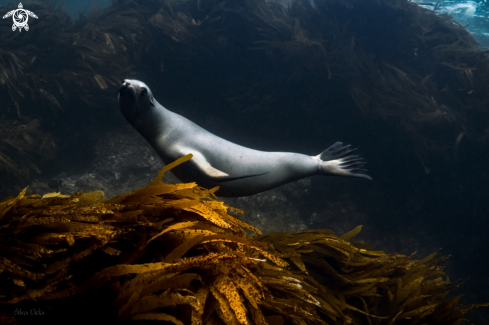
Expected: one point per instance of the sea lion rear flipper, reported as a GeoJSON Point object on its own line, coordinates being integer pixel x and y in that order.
{"type": "Point", "coordinates": [333, 161]}
{"type": "Point", "coordinates": [217, 175]}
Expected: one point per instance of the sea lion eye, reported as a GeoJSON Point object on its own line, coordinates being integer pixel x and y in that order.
{"type": "Point", "coordinates": [144, 91]}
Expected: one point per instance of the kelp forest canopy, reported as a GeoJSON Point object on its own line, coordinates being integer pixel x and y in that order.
{"type": "Point", "coordinates": [418, 71]}
{"type": "Point", "coordinates": [172, 252]}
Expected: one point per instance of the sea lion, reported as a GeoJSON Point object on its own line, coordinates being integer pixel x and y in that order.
{"type": "Point", "coordinates": [239, 171]}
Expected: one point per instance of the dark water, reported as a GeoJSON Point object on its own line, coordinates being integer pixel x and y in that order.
{"type": "Point", "coordinates": [74, 8]}
{"type": "Point", "coordinates": [279, 103]}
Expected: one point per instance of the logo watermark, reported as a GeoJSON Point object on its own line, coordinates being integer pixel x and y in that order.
{"type": "Point", "coordinates": [20, 17]}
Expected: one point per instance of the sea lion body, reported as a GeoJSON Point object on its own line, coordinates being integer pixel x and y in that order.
{"type": "Point", "coordinates": [277, 167]}
{"type": "Point", "coordinates": [237, 170]}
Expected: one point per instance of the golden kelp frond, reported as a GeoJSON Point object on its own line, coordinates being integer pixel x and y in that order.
{"type": "Point", "coordinates": [156, 252]}
{"type": "Point", "coordinates": [361, 286]}
{"type": "Point", "coordinates": [174, 253]}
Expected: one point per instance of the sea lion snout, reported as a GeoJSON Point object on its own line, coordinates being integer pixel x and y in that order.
{"type": "Point", "coordinates": [135, 99]}
{"type": "Point", "coordinates": [127, 86]}
{"type": "Point", "coordinates": [127, 100]}
{"type": "Point", "coordinates": [136, 88]}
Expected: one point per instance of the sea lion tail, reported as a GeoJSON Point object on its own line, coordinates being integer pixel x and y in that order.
{"type": "Point", "coordinates": [334, 161]}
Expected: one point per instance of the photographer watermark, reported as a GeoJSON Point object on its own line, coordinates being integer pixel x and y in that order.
{"type": "Point", "coordinates": [28, 312]}
{"type": "Point", "coordinates": [20, 17]}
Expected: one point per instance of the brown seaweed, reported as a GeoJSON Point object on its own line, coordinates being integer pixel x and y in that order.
{"type": "Point", "coordinates": [177, 254]}
{"type": "Point", "coordinates": [22, 146]}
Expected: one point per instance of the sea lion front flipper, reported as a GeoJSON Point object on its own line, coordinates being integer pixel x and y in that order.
{"type": "Point", "coordinates": [217, 175]}
{"type": "Point", "coordinates": [201, 163]}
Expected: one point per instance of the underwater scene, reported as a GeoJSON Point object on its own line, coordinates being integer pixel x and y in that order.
{"type": "Point", "coordinates": [205, 162]}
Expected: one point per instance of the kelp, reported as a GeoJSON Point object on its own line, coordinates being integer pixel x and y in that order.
{"type": "Point", "coordinates": [65, 66]}
{"type": "Point", "coordinates": [420, 75]}
{"type": "Point", "coordinates": [425, 74]}
{"type": "Point", "coordinates": [351, 280]}
{"type": "Point", "coordinates": [172, 252]}
{"type": "Point", "coordinates": [22, 145]}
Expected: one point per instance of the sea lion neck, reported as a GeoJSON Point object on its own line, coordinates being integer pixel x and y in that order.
{"type": "Point", "coordinates": [154, 121]}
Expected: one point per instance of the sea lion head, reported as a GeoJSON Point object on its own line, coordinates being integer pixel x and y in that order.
{"type": "Point", "coordinates": [135, 100]}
